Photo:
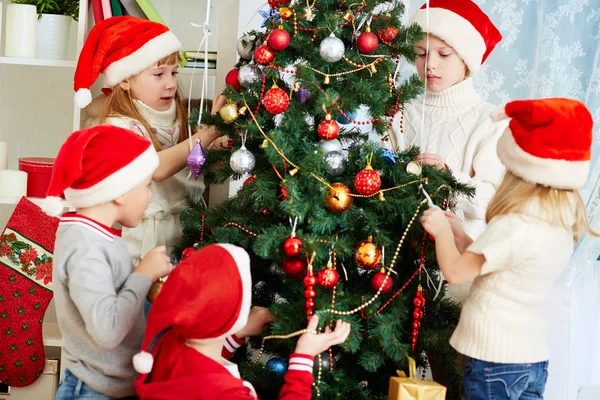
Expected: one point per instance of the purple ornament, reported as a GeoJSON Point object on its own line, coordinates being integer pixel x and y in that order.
{"type": "Point", "coordinates": [304, 94]}
{"type": "Point", "coordinates": [196, 160]}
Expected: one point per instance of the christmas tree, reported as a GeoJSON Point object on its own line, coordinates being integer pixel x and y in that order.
{"type": "Point", "coordinates": [330, 219]}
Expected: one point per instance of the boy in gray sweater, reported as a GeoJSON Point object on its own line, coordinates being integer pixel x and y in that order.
{"type": "Point", "coordinates": [105, 173]}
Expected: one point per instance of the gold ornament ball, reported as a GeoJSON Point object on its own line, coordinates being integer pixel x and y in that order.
{"type": "Point", "coordinates": [154, 290]}
{"type": "Point", "coordinates": [229, 113]}
{"type": "Point", "coordinates": [367, 254]}
{"type": "Point", "coordinates": [414, 168]}
{"type": "Point", "coordinates": [338, 198]}
{"type": "Point", "coordinates": [286, 13]}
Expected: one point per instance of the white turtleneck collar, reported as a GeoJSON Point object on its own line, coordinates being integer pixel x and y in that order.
{"type": "Point", "coordinates": [460, 96]}
{"type": "Point", "coordinates": [154, 117]}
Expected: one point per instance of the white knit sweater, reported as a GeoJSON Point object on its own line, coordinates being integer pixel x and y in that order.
{"type": "Point", "coordinates": [458, 127]}
{"type": "Point", "coordinates": [502, 320]}
{"type": "Point", "coordinates": [160, 225]}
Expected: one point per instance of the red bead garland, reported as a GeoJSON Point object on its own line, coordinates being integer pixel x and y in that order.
{"type": "Point", "coordinates": [309, 293]}
{"type": "Point", "coordinates": [419, 302]}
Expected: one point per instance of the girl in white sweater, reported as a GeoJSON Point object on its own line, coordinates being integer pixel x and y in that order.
{"type": "Point", "coordinates": [458, 131]}
{"type": "Point", "coordinates": [534, 219]}
{"type": "Point", "coordinates": [139, 60]}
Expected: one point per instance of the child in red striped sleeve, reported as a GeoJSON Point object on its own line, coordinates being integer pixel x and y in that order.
{"type": "Point", "coordinates": [206, 299]}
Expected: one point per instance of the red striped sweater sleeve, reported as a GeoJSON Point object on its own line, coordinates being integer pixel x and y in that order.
{"type": "Point", "coordinates": [232, 343]}
{"type": "Point", "coordinates": [299, 378]}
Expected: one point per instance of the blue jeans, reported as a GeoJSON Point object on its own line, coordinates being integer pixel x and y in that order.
{"type": "Point", "coordinates": [493, 381]}
{"type": "Point", "coordinates": [72, 388]}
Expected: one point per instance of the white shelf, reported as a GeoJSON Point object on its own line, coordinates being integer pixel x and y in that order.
{"type": "Point", "coordinates": [37, 62]}
{"type": "Point", "coordinates": [51, 335]}
{"type": "Point", "coordinates": [36, 200]}
{"type": "Point", "coordinates": [199, 71]}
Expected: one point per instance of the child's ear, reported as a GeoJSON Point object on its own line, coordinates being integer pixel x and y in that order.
{"type": "Point", "coordinates": [120, 200]}
{"type": "Point", "coordinates": [124, 85]}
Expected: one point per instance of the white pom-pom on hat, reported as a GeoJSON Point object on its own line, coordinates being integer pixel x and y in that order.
{"type": "Point", "coordinates": [53, 206]}
{"type": "Point", "coordinates": [83, 97]}
{"type": "Point", "coordinates": [143, 362]}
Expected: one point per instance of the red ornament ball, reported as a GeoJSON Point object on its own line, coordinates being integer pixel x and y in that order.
{"type": "Point", "coordinates": [283, 194]}
{"type": "Point", "coordinates": [328, 278]}
{"type": "Point", "coordinates": [310, 280]}
{"type": "Point", "coordinates": [276, 101]}
{"type": "Point", "coordinates": [279, 3]}
{"type": "Point", "coordinates": [264, 55]}
{"type": "Point", "coordinates": [232, 79]}
{"type": "Point", "coordinates": [328, 130]}
{"type": "Point", "coordinates": [292, 246]}
{"type": "Point", "coordinates": [187, 252]}
{"type": "Point", "coordinates": [249, 179]}
{"type": "Point", "coordinates": [378, 279]}
{"type": "Point", "coordinates": [310, 293]}
{"type": "Point", "coordinates": [279, 39]}
{"type": "Point", "coordinates": [419, 302]}
{"type": "Point", "coordinates": [416, 325]}
{"type": "Point", "coordinates": [417, 314]}
{"type": "Point", "coordinates": [388, 34]}
{"type": "Point", "coordinates": [310, 303]}
{"type": "Point", "coordinates": [367, 182]}
{"type": "Point", "coordinates": [367, 42]}
{"type": "Point", "coordinates": [294, 268]}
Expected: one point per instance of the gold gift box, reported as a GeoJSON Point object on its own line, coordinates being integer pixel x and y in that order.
{"type": "Point", "coordinates": [410, 388]}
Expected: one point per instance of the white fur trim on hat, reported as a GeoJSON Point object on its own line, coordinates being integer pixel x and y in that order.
{"type": "Point", "coordinates": [457, 32]}
{"type": "Point", "coordinates": [559, 174]}
{"type": "Point", "coordinates": [143, 362]}
{"type": "Point", "coordinates": [83, 97]}
{"type": "Point", "coordinates": [116, 184]}
{"type": "Point", "coordinates": [151, 52]}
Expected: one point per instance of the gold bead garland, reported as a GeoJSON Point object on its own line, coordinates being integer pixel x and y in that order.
{"type": "Point", "coordinates": [279, 337]}
{"type": "Point", "coordinates": [390, 268]}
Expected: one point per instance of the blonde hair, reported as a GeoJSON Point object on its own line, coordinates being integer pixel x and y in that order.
{"type": "Point", "coordinates": [514, 194]}
{"type": "Point", "coordinates": [120, 103]}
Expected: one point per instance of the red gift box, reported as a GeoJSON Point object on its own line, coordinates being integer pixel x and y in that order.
{"type": "Point", "coordinates": [39, 172]}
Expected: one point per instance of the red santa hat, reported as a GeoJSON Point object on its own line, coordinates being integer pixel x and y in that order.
{"type": "Point", "coordinates": [97, 165]}
{"type": "Point", "coordinates": [463, 26]}
{"type": "Point", "coordinates": [548, 141]}
{"type": "Point", "coordinates": [206, 298]}
{"type": "Point", "coordinates": [120, 47]}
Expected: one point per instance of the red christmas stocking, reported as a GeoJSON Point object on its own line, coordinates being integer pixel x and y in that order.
{"type": "Point", "coordinates": [26, 247]}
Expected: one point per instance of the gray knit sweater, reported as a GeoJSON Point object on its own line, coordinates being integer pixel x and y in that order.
{"type": "Point", "coordinates": [99, 305]}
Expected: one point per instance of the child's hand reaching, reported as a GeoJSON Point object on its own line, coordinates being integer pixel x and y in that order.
{"type": "Point", "coordinates": [435, 222]}
{"type": "Point", "coordinates": [258, 321]}
{"type": "Point", "coordinates": [312, 344]}
{"type": "Point", "coordinates": [218, 102]}
{"type": "Point", "coordinates": [432, 159]}
{"type": "Point", "coordinates": [461, 239]}
{"type": "Point", "coordinates": [155, 264]}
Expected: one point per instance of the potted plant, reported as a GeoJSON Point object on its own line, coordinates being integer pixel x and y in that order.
{"type": "Point", "coordinates": [53, 26]}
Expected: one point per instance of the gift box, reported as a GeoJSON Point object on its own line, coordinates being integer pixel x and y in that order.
{"type": "Point", "coordinates": [410, 388]}
{"type": "Point", "coordinates": [39, 172]}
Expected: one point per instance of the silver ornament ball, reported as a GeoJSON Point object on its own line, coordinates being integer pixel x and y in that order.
{"type": "Point", "coordinates": [332, 49]}
{"type": "Point", "coordinates": [330, 145]}
{"type": "Point", "coordinates": [335, 163]}
{"type": "Point", "coordinates": [242, 161]}
{"type": "Point", "coordinates": [247, 50]}
{"type": "Point", "coordinates": [249, 75]}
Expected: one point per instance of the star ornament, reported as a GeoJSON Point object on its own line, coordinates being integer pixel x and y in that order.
{"type": "Point", "coordinates": [389, 156]}
{"type": "Point", "coordinates": [268, 15]}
